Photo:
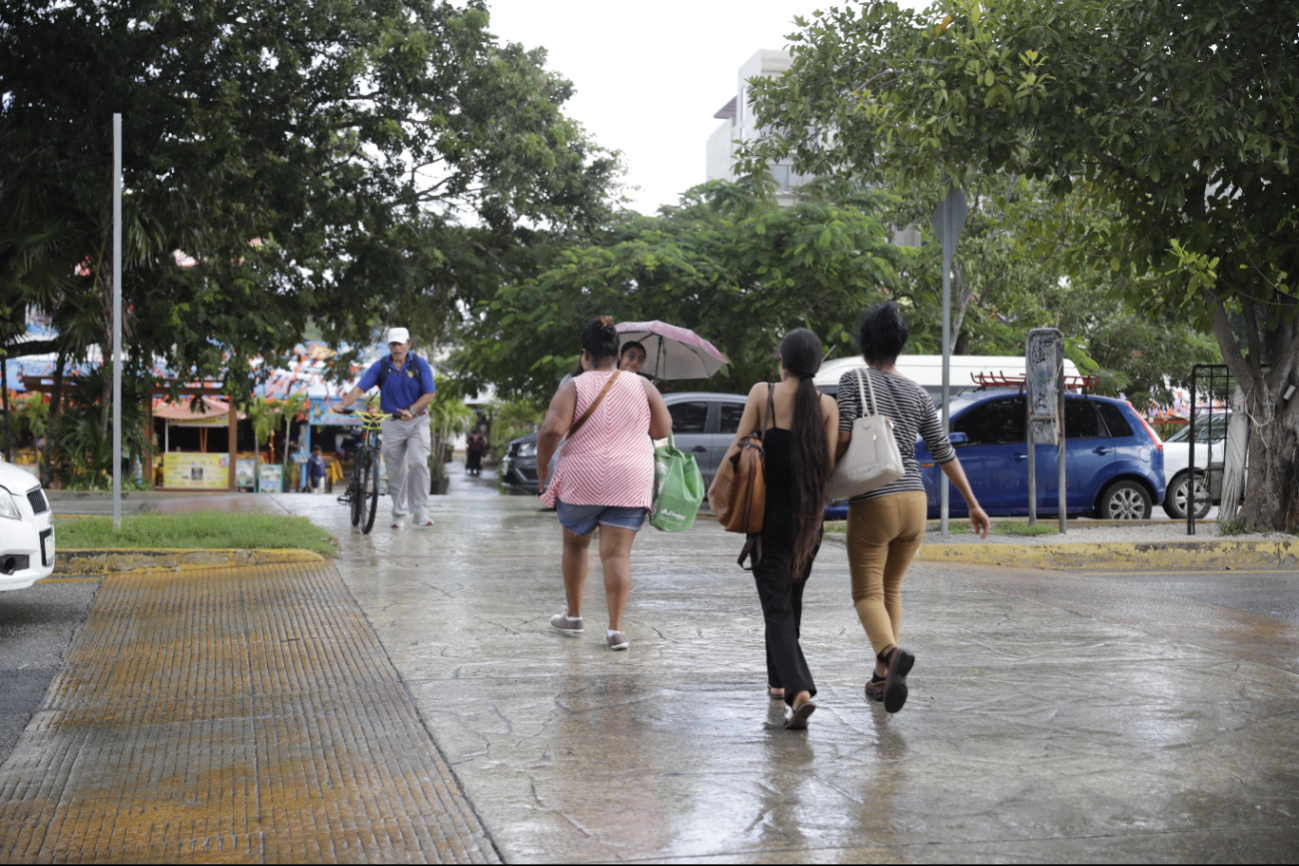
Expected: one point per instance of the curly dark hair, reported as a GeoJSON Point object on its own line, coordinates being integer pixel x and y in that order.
{"type": "Point", "coordinates": [882, 333]}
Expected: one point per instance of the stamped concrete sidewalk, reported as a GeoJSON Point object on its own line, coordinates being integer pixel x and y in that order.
{"type": "Point", "coordinates": [1053, 716]}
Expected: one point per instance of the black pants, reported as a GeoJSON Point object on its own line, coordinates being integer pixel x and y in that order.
{"type": "Point", "coordinates": [782, 608]}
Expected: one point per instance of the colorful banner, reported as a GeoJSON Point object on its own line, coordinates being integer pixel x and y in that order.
{"type": "Point", "coordinates": [186, 471]}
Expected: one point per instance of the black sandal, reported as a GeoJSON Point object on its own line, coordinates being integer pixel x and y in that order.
{"type": "Point", "coordinates": [895, 681]}
{"type": "Point", "coordinates": [875, 688]}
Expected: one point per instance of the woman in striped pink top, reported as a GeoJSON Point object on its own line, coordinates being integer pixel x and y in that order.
{"type": "Point", "coordinates": [605, 474]}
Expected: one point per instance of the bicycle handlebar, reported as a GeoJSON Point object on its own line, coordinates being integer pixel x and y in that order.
{"type": "Point", "coordinates": [393, 415]}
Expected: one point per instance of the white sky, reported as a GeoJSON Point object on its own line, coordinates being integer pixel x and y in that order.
{"type": "Point", "coordinates": [650, 76]}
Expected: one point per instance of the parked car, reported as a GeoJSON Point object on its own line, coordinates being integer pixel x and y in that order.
{"type": "Point", "coordinates": [1210, 442]}
{"type": "Point", "coordinates": [703, 425]}
{"type": "Point", "coordinates": [26, 530]}
{"type": "Point", "coordinates": [1114, 461]}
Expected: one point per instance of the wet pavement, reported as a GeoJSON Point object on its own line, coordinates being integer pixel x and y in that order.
{"type": "Point", "coordinates": [1078, 716]}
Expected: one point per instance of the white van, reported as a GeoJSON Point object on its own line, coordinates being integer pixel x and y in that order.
{"type": "Point", "coordinates": [927, 371]}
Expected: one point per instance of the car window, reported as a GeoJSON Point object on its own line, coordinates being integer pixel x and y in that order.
{"type": "Point", "coordinates": [731, 415]}
{"type": "Point", "coordinates": [1114, 420]}
{"type": "Point", "coordinates": [1080, 420]}
{"type": "Point", "coordinates": [688, 417]}
{"type": "Point", "coordinates": [996, 422]}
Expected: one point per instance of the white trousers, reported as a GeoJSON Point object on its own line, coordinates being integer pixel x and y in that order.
{"type": "Point", "coordinates": [406, 446]}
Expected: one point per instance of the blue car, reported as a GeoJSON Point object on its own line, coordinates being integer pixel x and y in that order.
{"type": "Point", "coordinates": [1114, 461]}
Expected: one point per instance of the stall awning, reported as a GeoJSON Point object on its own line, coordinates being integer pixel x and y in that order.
{"type": "Point", "coordinates": [217, 414]}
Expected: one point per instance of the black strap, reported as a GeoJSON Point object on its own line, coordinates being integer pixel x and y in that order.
{"type": "Point", "coordinates": [771, 410]}
{"type": "Point", "coordinates": [752, 548]}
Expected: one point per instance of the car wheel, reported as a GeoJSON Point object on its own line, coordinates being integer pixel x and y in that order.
{"type": "Point", "coordinates": [1125, 500]}
{"type": "Point", "coordinates": [1175, 501]}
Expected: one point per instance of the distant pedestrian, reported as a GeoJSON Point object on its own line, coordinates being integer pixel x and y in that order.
{"type": "Point", "coordinates": [886, 525]}
{"type": "Point", "coordinates": [605, 473]}
{"type": "Point", "coordinates": [316, 471]}
{"type": "Point", "coordinates": [474, 448]}
{"type": "Point", "coordinates": [799, 427]}
{"type": "Point", "coordinates": [406, 388]}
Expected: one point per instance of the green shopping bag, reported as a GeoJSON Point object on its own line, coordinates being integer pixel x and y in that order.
{"type": "Point", "coordinates": [678, 489]}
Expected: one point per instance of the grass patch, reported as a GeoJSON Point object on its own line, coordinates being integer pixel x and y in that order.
{"type": "Point", "coordinates": [835, 526]}
{"type": "Point", "coordinates": [1231, 527]}
{"type": "Point", "coordinates": [955, 526]}
{"type": "Point", "coordinates": [198, 531]}
{"type": "Point", "coordinates": [1024, 529]}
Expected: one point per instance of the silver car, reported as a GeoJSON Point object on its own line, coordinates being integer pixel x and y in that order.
{"type": "Point", "coordinates": [703, 425]}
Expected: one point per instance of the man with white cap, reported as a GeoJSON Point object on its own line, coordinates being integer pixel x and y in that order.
{"type": "Point", "coordinates": [406, 388]}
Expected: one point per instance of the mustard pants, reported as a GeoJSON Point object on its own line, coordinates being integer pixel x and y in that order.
{"type": "Point", "coordinates": [883, 536]}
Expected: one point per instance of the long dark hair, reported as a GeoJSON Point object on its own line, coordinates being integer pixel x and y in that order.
{"type": "Point", "coordinates": [809, 453]}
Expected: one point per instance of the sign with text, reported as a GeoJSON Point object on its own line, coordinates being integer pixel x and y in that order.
{"type": "Point", "coordinates": [185, 471]}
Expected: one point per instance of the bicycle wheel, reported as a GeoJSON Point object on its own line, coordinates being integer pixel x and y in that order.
{"type": "Point", "coordinates": [354, 490]}
{"type": "Point", "coordinates": [370, 491]}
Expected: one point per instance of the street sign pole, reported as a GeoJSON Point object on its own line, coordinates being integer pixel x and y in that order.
{"type": "Point", "coordinates": [117, 323]}
{"type": "Point", "coordinates": [1044, 404]}
{"type": "Point", "coordinates": [949, 219]}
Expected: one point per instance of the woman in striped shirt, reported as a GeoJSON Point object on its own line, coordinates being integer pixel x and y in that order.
{"type": "Point", "coordinates": [886, 525]}
{"type": "Point", "coordinates": [605, 473]}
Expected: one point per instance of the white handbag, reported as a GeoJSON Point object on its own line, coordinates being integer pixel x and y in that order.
{"type": "Point", "coordinates": [873, 458]}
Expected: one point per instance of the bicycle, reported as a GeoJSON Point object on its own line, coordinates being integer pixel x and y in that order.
{"type": "Point", "coordinates": [362, 492]}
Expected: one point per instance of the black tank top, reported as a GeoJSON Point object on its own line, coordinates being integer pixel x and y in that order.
{"type": "Point", "coordinates": [777, 470]}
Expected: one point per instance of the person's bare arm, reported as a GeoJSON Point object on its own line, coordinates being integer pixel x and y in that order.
{"type": "Point", "coordinates": [559, 417]}
{"type": "Point", "coordinates": [660, 417]}
{"type": "Point", "coordinates": [351, 397]}
{"type": "Point", "coordinates": [751, 418]}
{"type": "Point", "coordinates": [830, 414]}
{"type": "Point", "coordinates": [419, 406]}
{"type": "Point", "coordinates": [979, 521]}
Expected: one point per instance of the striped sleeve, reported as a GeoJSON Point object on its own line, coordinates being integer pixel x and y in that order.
{"type": "Point", "coordinates": [931, 430]}
{"type": "Point", "coordinates": [850, 408]}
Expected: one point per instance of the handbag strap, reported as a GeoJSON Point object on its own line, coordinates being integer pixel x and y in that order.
{"type": "Point", "coordinates": [771, 409]}
{"type": "Point", "coordinates": [862, 394]}
{"type": "Point", "coordinates": [577, 425]}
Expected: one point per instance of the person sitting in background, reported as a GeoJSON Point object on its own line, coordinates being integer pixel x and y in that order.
{"type": "Point", "coordinates": [316, 471]}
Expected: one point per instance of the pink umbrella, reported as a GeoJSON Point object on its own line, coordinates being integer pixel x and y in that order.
{"type": "Point", "coordinates": [672, 352]}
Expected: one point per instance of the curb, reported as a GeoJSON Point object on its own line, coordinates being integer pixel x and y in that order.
{"type": "Point", "coordinates": [101, 561]}
{"type": "Point", "coordinates": [1163, 555]}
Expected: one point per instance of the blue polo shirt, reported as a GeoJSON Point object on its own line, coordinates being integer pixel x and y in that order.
{"type": "Point", "coordinates": [404, 385]}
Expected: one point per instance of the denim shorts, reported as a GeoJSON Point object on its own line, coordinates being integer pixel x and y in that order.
{"type": "Point", "coordinates": [581, 519]}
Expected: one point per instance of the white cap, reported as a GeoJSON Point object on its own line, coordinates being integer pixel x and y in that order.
{"type": "Point", "coordinates": [398, 335]}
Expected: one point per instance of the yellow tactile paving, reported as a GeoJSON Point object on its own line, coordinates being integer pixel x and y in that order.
{"type": "Point", "coordinates": [231, 715]}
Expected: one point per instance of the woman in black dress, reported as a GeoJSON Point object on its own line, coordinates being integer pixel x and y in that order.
{"type": "Point", "coordinates": [801, 428]}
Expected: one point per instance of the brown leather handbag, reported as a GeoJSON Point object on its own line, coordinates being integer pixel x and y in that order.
{"type": "Point", "coordinates": [738, 494]}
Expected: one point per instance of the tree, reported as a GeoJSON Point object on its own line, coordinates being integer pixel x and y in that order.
{"type": "Point", "coordinates": [725, 262]}
{"type": "Point", "coordinates": [311, 157]}
{"type": "Point", "coordinates": [1177, 118]}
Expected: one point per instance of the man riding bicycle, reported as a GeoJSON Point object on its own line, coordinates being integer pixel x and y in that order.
{"type": "Point", "coordinates": [406, 388]}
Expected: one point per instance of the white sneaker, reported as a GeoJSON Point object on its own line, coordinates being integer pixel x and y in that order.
{"type": "Point", "coordinates": [423, 524]}
{"type": "Point", "coordinates": [398, 524]}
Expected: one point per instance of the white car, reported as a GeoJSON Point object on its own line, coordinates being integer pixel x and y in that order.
{"type": "Point", "coordinates": [26, 530]}
{"type": "Point", "coordinates": [1177, 465]}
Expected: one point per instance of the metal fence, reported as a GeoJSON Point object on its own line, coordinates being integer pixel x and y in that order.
{"type": "Point", "coordinates": [1214, 384]}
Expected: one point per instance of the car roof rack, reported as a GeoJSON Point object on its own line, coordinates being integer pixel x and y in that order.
{"type": "Point", "coordinates": [1001, 380]}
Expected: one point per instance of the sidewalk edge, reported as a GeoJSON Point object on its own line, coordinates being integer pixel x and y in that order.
{"type": "Point", "coordinates": [1170, 555]}
{"type": "Point", "coordinates": [99, 561]}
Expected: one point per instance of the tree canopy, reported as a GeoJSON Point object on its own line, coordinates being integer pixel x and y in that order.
{"type": "Point", "coordinates": [1176, 121]}
{"type": "Point", "coordinates": [316, 161]}
{"type": "Point", "coordinates": [726, 262]}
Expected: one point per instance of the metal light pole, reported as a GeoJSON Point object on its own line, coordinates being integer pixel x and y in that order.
{"type": "Point", "coordinates": [117, 323]}
{"type": "Point", "coordinates": [949, 219]}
